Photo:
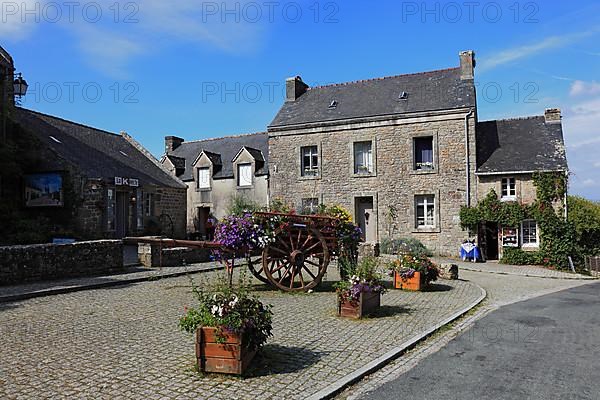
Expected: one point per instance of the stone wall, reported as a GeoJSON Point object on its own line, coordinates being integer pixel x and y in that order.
{"type": "Point", "coordinates": [19, 264]}
{"type": "Point", "coordinates": [394, 184]}
{"type": "Point", "coordinates": [172, 201]}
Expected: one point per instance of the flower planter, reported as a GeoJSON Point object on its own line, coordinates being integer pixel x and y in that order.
{"type": "Point", "coordinates": [231, 357]}
{"type": "Point", "coordinates": [366, 304]}
{"type": "Point", "coordinates": [414, 283]}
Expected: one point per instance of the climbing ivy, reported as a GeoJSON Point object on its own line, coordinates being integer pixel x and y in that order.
{"type": "Point", "coordinates": [557, 235]}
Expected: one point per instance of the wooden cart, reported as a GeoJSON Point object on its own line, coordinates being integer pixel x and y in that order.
{"type": "Point", "coordinates": [300, 254]}
{"type": "Point", "coordinates": [296, 260]}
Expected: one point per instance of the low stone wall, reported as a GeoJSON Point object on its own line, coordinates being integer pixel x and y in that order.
{"type": "Point", "coordinates": [38, 262]}
{"type": "Point", "coordinates": [149, 255]}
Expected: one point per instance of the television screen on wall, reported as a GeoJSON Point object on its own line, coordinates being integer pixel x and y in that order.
{"type": "Point", "coordinates": [44, 190]}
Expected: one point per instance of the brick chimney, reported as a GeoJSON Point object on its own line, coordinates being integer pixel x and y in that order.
{"type": "Point", "coordinates": [467, 64]}
{"type": "Point", "coordinates": [172, 142]}
{"type": "Point", "coordinates": [294, 88]}
{"type": "Point", "coordinates": [552, 115]}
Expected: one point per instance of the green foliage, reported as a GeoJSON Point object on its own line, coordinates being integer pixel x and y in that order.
{"type": "Point", "coordinates": [229, 308]}
{"type": "Point", "coordinates": [516, 256]}
{"type": "Point", "coordinates": [240, 205]}
{"type": "Point", "coordinates": [404, 245]}
{"type": "Point", "coordinates": [279, 206]}
{"type": "Point", "coordinates": [584, 215]}
{"type": "Point", "coordinates": [365, 277]}
{"type": "Point", "coordinates": [558, 237]}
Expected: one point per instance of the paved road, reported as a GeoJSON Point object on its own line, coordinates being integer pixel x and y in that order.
{"type": "Point", "coordinates": [545, 348]}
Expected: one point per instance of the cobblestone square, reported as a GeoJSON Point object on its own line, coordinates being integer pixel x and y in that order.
{"type": "Point", "coordinates": [123, 342]}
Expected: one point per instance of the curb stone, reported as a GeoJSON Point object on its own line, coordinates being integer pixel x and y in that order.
{"type": "Point", "coordinates": [100, 285]}
{"type": "Point", "coordinates": [342, 383]}
{"type": "Point", "coordinates": [567, 278]}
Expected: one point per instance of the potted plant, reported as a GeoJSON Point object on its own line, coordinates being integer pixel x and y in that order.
{"type": "Point", "coordinates": [230, 326]}
{"type": "Point", "coordinates": [360, 295]}
{"type": "Point", "coordinates": [412, 272]}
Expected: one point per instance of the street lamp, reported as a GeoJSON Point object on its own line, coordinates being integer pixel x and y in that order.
{"type": "Point", "coordinates": [20, 85]}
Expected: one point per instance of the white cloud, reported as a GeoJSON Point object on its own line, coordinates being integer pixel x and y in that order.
{"type": "Point", "coordinates": [581, 127]}
{"type": "Point", "coordinates": [525, 51]}
{"type": "Point", "coordinates": [13, 24]}
{"type": "Point", "coordinates": [580, 88]}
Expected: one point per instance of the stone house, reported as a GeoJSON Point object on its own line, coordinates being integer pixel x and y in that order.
{"type": "Point", "coordinates": [216, 171]}
{"type": "Point", "coordinates": [509, 152]}
{"type": "Point", "coordinates": [60, 177]}
{"type": "Point", "coordinates": [114, 186]}
{"type": "Point", "coordinates": [401, 153]}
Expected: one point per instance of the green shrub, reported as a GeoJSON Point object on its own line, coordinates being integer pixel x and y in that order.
{"type": "Point", "coordinates": [404, 245]}
{"type": "Point", "coordinates": [241, 205]}
{"type": "Point", "coordinates": [516, 256]}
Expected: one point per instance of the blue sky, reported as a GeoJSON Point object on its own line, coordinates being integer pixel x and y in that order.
{"type": "Point", "coordinates": [206, 69]}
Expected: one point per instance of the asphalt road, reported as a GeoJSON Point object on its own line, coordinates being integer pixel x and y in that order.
{"type": "Point", "coordinates": [544, 348]}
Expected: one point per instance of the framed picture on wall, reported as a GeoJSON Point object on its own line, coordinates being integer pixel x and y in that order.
{"type": "Point", "coordinates": [44, 190]}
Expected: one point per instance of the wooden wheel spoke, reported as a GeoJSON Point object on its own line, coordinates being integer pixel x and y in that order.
{"type": "Point", "coordinates": [280, 240]}
{"type": "Point", "coordinates": [312, 263]}
{"type": "Point", "coordinates": [301, 277]}
{"type": "Point", "coordinates": [278, 250]}
{"type": "Point", "coordinates": [308, 239]}
{"type": "Point", "coordinates": [310, 272]}
{"type": "Point", "coordinates": [292, 241]}
{"type": "Point", "coordinates": [280, 266]}
{"type": "Point", "coordinates": [285, 273]}
{"type": "Point", "coordinates": [299, 237]}
{"type": "Point", "coordinates": [312, 247]}
{"type": "Point", "coordinates": [292, 278]}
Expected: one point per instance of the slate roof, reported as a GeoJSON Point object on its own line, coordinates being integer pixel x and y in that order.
{"type": "Point", "coordinates": [427, 91]}
{"type": "Point", "coordinates": [227, 148]}
{"type": "Point", "coordinates": [97, 153]}
{"type": "Point", "coordinates": [521, 144]}
{"type": "Point", "coordinates": [178, 162]}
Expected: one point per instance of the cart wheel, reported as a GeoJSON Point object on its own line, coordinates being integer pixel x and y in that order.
{"type": "Point", "coordinates": [297, 260]}
{"type": "Point", "coordinates": [256, 268]}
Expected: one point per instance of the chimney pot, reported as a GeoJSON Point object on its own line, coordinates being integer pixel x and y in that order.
{"type": "Point", "coordinates": [552, 115]}
{"type": "Point", "coordinates": [467, 64]}
{"type": "Point", "coordinates": [294, 88]}
{"type": "Point", "coordinates": [172, 142]}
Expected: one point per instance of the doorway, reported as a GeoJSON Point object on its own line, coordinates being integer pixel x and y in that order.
{"type": "Point", "coordinates": [489, 240]}
{"type": "Point", "coordinates": [203, 215]}
{"type": "Point", "coordinates": [365, 218]}
{"type": "Point", "coordinates": [122, 214]}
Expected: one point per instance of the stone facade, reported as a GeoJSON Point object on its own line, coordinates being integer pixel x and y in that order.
{"type": "Point", "coordinates": [394, 182]}
{"type": "Point", "coordinates": [39, 262]}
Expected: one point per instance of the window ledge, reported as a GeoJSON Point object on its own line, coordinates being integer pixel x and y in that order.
{"type": "Point", "coordinates": [508, 198]}
{"type": "Point", "coordinates": [203, 189]}
{"type": "Point", "coordinates": [432, 229]}
{"type": "Point", "coordinates": [309, 178]}
{"type": "Point", "coordinates": [369, 175]}
{"type": "Point", "coordinates": [530, 247]}
{"type": "Point", "coordinates": [423, 171]}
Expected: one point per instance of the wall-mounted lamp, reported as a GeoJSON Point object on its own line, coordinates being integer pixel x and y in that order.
{"type": "Point", "coordinates": [20, 85]}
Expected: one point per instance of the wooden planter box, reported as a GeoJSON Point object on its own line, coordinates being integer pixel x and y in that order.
{"type": "Point", "coordinates": [230, 357]}
{"type": "Point", "coordinates": [367, 303]}
{"type": "Point", "coordinates": [414, 283]}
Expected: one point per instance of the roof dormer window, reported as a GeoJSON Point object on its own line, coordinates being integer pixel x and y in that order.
{"type": "Point", "coordinates": [333, 104]}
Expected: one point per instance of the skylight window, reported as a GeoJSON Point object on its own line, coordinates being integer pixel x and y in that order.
{"type": "Point", "coordinates": [403, 96]}
{"type": "Point", "coordinates": [333, 104]}
{"type": "Point", "coordinates": [55, 139]}
{"type": "Point", "coordinates": [125, 154]}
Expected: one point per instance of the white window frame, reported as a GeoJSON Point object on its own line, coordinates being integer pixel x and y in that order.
{"type": "Point", "coordinates": [313, 207]}
{"type": "Point", "coordinates": [244, 175]}
{"type": "Point", "coordinates": [313, 168]}
{"type": "Point", "coordinates": [537, 234]}
{"type": "Point", "coordinates": [425, 200]}
{"type": "Point", "coordinates": [505, 187]}
{"type": "Point", "coordinates": [364, 166]}
{"type": "Point", "coordinates": [203, 181]}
